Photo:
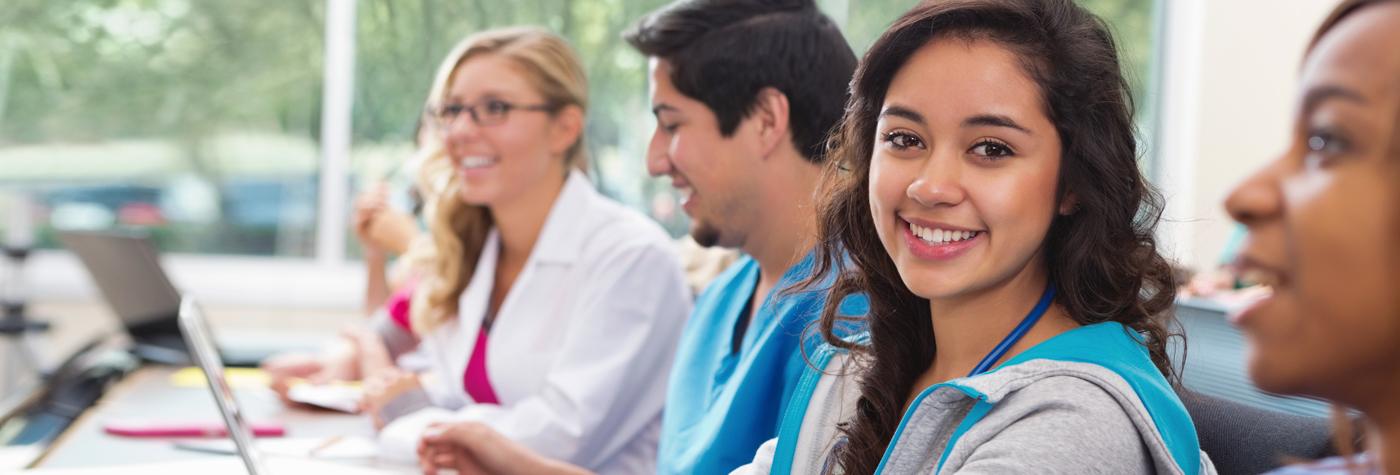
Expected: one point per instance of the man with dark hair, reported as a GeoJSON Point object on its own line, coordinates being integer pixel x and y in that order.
{"type": "Point", "coordinates": [732, 57]}
{"type": "Point", "coordinates": [744, 93]}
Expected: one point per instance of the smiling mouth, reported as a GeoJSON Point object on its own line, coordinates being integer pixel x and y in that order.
{"type": "Point", "coordinates": [1254, 272]}
{"type": "Point", "coordinates": [476, 162]}
{"type": "Point", "coordinates": [937, 236]}
{"type": "Point", "coordinates": [935, 242]}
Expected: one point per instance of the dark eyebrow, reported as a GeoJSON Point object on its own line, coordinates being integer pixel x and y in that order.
{"type": "Point", "coordinates": [974, 121]}
{"type": "Point", "coordinates": [903, 112]}
{"type": "Point", "coordinates": [993, 120]}
{"type": "Point", "coordinates": [656, 110]}
{"type": "Point", "coordinates": [489, 95]}
{"type": "Point", "coordinates": [1318, 95]}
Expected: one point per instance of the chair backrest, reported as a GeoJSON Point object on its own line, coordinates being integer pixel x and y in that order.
{"type": "Point", "coordinates": [1243, 439]}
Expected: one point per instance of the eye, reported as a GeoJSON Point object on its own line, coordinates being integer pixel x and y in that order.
{"type": "Point", "coordinates": [451, 111]}
{"type": "Point", "coordinates": [1324, 145]}
{"type": "Point", "coordinates": [992, 149]}
{"type": "Point", "coordinates": [900, 140]}
{"type": "Point", "coordinates": [496, 107]}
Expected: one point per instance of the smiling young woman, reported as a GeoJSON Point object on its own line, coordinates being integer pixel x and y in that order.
{"type": "Point", "coordinates": [985, 196]}
{"type": "Point", "coordinates": [551, 312]}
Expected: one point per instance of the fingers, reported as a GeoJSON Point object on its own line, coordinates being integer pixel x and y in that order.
{"type": "Point", "coordinates": [371, 356]}
{"type": "Point", "coordinates": [291, 365]}
{"type": "Point", "coordinates": [368, 206]}
{"type": "Point", "coordinates": [428, 459]}
{"type": "Point", "coordinates": [392, 230]}
{"type": "Point", "coordinates": [283, 369]}
{"type": "Point", "coordinates": [379, 390]}
{"type": "Point", "coordinates": [462, 434]}
{"type": "Point", "coordinates": [466, 464]}
{"type": "Point", "coordinates": [282, 389]}
{"type": "Point", "coordinates": [436, 456]}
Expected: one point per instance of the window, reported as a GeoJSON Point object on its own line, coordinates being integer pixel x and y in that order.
{"type": "Point", "coordinates": [202, 121]}
{"type": "Point", "coordinates": [193, 119]}
{"type": "Point", "coordinates": [400, 44]}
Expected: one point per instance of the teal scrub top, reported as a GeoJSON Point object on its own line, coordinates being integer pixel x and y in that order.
{"type": "Point", "coordinates": [721, 405]}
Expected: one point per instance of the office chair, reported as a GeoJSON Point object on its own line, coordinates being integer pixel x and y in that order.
{"type": "Point", "coordinates": [1243, 439]}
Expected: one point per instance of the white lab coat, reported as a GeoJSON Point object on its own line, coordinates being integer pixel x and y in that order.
{"type": "Point", "coordinates": [581, 347]}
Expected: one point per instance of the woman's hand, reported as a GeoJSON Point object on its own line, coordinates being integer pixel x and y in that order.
{"type": "Point", "coordinates": [393, 231]}
{"type": "Point", "coordinates": [367, 205]}
{"type": "Point", "coordinates": [371, 357]}
{"type": "Point", "coordinates": [382, 388]}
{"type": "Point", "coordinates": [380, 229]}
{"type": "Point", "coordinates": [435, 455]}
{"type": "Point", "coordinates": [474, 448]}
{"type": "Point", "coordinates": [284, 370]}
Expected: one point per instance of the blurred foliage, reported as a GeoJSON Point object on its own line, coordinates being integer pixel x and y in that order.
{"type": "Point", "coordinates": [187, 71]}
{"type": "Point", "coordinates": [89, 70]}
{"type": "Point", "coordinates": [95, 70]}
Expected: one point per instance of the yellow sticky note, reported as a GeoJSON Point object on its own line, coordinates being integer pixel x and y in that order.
{"type": "Point", "coordinates": [193, 377]}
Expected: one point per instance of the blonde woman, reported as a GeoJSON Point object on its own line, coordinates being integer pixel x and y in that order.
{"type": "Point", "coordinates": [552, 312]}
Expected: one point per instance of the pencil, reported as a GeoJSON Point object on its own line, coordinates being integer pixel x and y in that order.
{"type": "Point", "coordinates": [332, 440]}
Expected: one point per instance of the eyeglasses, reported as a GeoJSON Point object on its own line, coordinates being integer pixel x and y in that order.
{"type": "Point", "coordinates": [487, 113]}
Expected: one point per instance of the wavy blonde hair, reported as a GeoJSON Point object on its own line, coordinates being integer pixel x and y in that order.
{"type": "Point", "coordinates": [459, 229]}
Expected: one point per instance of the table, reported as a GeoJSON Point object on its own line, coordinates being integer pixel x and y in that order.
{"type": "Point", "coordinates": [148, 395]}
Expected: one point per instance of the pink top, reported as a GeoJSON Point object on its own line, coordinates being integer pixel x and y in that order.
{"type": "Point", "coordinates": [398, 304]}
{"type": "Point", "coordinates": [477, 384]}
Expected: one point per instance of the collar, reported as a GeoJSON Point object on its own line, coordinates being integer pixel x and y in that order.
{"type": "Point", "coordinates": [561, 239]}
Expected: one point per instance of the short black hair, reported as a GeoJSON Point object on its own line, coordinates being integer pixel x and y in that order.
{"type": "Point", "coordinates": [723, 52]}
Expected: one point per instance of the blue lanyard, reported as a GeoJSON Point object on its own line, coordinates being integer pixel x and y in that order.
{"type": "Point", "coordinates": [1017, 333]}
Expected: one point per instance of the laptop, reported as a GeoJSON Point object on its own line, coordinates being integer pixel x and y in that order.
{"type": "Point", "coordinates": [201, 341]}
{"type": "Point", "coordinates": [126, 268]}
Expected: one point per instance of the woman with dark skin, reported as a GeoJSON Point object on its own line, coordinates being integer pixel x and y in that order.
{"type": "Point", "coordinates": [1323, 220]}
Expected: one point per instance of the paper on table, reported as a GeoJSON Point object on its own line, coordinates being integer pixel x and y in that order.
{"type": "Point", "coordinates": [14, 458]}
{"type": "Point", "coordinates": [193, 377]}
{"type": "Point", "coordinates": [230, 465]}
{"type": "Point", "coordinates": [335, 396]}
{"type": "Point", "coordinates": [342, 448]}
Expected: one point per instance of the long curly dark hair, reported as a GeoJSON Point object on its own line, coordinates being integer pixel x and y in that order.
{"type": "Point", "coordinates": [1103, 258]}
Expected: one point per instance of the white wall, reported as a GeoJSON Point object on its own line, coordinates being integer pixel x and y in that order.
{"type": "Point", "coordinates": [1228, 82]}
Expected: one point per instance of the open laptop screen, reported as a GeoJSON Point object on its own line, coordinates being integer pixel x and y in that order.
{"type": "Point", "coordinates": [201, 343]}
{"type": "Point", "coordinates": [126, 268]}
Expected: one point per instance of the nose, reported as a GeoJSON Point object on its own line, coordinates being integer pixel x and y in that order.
{"type": "Point", "coordinates": [939, 182]}
{"type": "Point", "coordinates": [658, 156]}
{"type": "Point", "coordinates": [1257, 198]}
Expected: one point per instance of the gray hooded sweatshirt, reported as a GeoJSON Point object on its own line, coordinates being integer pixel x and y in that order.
{"type": "Point", "coordinates": [1086, 401]}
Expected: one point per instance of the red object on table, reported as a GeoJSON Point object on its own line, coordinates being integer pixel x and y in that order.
{"type": "Point", "coordinates": [178, 429]}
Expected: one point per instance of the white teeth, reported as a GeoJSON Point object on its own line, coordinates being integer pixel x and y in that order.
{"type": "Point", "coordinates": [940, 236]}
{"type": "Point", "coordinates": [1261, 277]}
{"type": "Point", "coordinates": [477, 162]}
